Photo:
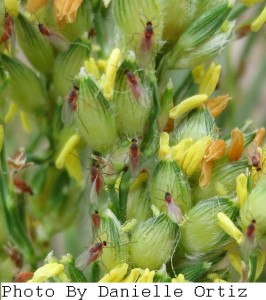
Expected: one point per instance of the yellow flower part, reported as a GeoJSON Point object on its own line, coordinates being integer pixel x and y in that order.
{"type": "Point", "coordinates": [147, 276]}
{"type": "Point", "coordinates": [180, 278]}
{"type": "Point", "coordinates": [66, 10]}
{"type": "Point", "coordinates": [187, 105]}
{"type": "Point", "coordinates": [141, 178]}
{"type": "Point", "coordinates": [235, 261]}
{"type": "Point", "coordinates": [34, 5]}
{"type": "Point", "coordinates": [229, 227]}
{"type": "Point", "coordinates": [1, 137]}
{"type": "Point", "coordinates": [251, 2]}
{"type": "Point", "coordinates": [258, 23]}
{"type": "Point", "coordinates": [12, 7]}
{"type": "Point", "coordinates": [47, 271]}
{"type": "Point", "coordinates": [106, 2]}
{"type": "Point", "coordinates": [179, 151]}
{"type": "Point", "coordinates": [116, 274]}
{"type": "Point", "coordinates": [111, 70]}
{"type": "Point", "coordinates": [69, 145]}
{"type": "Point", "coordinates": [25, 122]}
{"type": "Point", "coordinates": [73, 165]}
{"type": "Point", "coordinates": [164, 149]}
{"type": "Point", "coordinates": [102, 64]}
{"type": "Point", "coordinates": [241, 189]}
{"type": "Point", "coordinates": [195, 154]}
{"type": "Point", "coordinates": [134, 275]}
{"type": "Point", "coordinates": [198, 73]}
{"type": "Point", "coordinates": [92, 68]}
{"type": "Point", "coordinates": [12, 110]}
{"type": "Point", "coordinates": [215, 278]}
{"type": "Point", "coordinates": [210, 80]}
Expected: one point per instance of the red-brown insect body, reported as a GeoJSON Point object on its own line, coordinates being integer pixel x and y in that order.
{"type": "Point", "coordinates": [168, 197]}
{"type": "Point", "coordinates": [96, 219]}
{"type": "Point", "coordinates": [133, 83]}
{"type": "Point", "coordinates": [96, 178]}
{"type": "Point", "coordinates": [8, 27]}
{"type": "Point", "coordinates": [146, 42]}
{"type": "Point", "coordinates": [44, 30]}
{"type": "Point", "coordinates": [15, 256]}
{"type": "Point", "coordinates": [24, 277]}
{"type": "Point", "coordinates": [251, 229]}
{"type": "Point", "coordinates": [134, 157]}
{"type": "Point", "coordinates": [73, 98]}
{"type": "Point", "coordinates": [254, 156]}
{"type": "Point", "coordinates": [96, 251]}
{"type": "Point", "coordinates": [22, 186]}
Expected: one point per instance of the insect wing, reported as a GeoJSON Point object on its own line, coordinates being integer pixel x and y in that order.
{"type": "Point", "coordinates": [13, 40]}
{"type": "Point", "coordinates": [67, 114]}
{"type": "Point", "coordinates": [58, 41]}
{"type": "Point", "coordinates": [174, 212]}
{"type": "Point", "coordinates": [252, 153]}
{"type": "Point", "coordinates": [83, 260]}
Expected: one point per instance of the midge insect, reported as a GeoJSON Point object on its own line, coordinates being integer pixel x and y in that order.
{"type": "Point", "coordinates": [8, 28]}
{"type": "Point", "coordinates": [136, 88]}
{"type": "Point", "coordinates": [250, 232]}
{"type": "Point", "coordinates": [134, 157]}
{"type": "Point", "coordinates": [174, 212]}
{"type": "Point", "coordinates": [90, 255]}
{"type": "Point", "coordinates": [70, 105]}
{"type": "Point", "coordinates": [253, 156]}
{"type": "Point", "coordinates": [96, 219]}
{"type": "Point", "coordinates": [146, 41]}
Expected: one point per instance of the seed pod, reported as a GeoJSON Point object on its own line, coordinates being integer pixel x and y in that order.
{"type": "Point", "coordinates": [68, 64]}
{"type": "Point", "coordinates": [138, 200]}
{"type": "Point", "coordinates": [36, 48]}
{"type": "Point", "coordinates": [168, 177]}
{"type": "Point", "coordinates": [117, 247]}
{"type": "Point", "coordinates": [153, 242]}
{"type": "Point", "coordinates": [201, 233]}
{"type": "Point", "coordinates": [197, 124]}
{"type": "Point", "coordinates": [24, 86]}
{"type": "Point", "coordinates": [132, 99]}
{"type": "Point", "coordinates": [94, 116]}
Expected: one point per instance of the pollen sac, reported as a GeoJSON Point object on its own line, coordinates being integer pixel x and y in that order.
{"type": "Point", "coordinates": [145, 32]}
{"type": "Point", "coordinates": [200, 232]}
{"type": "Point", "coordinates": [24, 86]}
{"type": "Point", "coordinates": [132, 99]}
{"type": "Point", "coordinates": [117, 250]}
{"type": "Point", "coordinates": [153, 242]}
{"type": "Point", "coordinates": [95, 117]}
{"type": "Point", "coordinates": [68, 64]}
{"type": "Point", "coordinates": [37, 49]}
{"type": "Point", "coordinates": [168, 178]}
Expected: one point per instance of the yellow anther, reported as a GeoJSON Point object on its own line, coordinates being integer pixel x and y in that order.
{"type": "Point", "coordinates": [111, 70]}
{"type": "Point", "coordinates": [12, 110]}
{"type": "Point", "coordinates": [235, 261]}
{"type": "Point", "coordinates": [179, 278]}
{"type": "Point", "coordinates": [116, 274]}
{"type": "Point", "coordinates": [210, 80]}
{"type": "Point", "coordinates": [147, 276]}
{"type": "Point", "coordinates": [134, 275]}
{"type": "Point", "coordinates": [164, 146]}
{"type": "Point", "coordinates": [47, 271]}
{"type": "Point", "coordinates": [25, 122]}
{"type": "Point", "coordinates": [69, 145]}
{"type": "Point", "coordinates": [258, 23]}
{"type": "Point", "coordinates": [230, 228]}
{"type": "Point", "coordinates": [187, 105]}
{"type": "Point", "coordinates": [92, 68]}
{"type": "Point", "coordinates": [12, 7]}
{"type": "Point", "coordinates": [195, 154]}
{"type": "Point", "coordinates": [179, 151]}
{"type": "Point", "coordinates": [73, 165]}
{"type": "Point", "coordinates": [241, 189]}
{"type": "Point", "coordinates": [198, 73]}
